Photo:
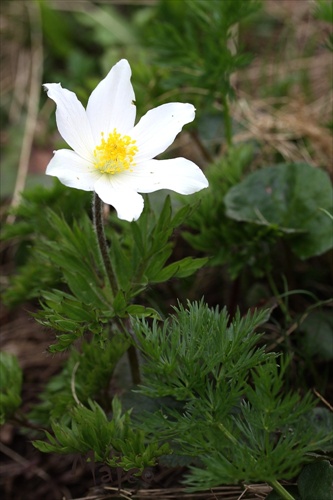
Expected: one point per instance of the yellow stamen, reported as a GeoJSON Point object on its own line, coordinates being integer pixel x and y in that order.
{"type": "Point", "coordinates": [115, 154]}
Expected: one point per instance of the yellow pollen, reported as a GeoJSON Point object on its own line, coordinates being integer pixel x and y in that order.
{"type": "Point", "coordinates": [115, 154]}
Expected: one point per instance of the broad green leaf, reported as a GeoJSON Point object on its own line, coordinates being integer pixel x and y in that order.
{"type": "Point", "coordinates": [316, 481]}
{"type": "Point", "coordinates": [321, 419]}
{"type": "Point", "coordinates": [293, 199]}
{"type": "Point", "coordinates": [318, 330]}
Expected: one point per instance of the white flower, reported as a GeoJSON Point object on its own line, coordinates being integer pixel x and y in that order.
{"type": "Point", "coordinates": [111, 155]}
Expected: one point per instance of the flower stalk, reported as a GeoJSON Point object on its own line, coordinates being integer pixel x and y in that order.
{"type": "Point", "coordinates": [281, 490]}
{"type": "Point", "coordinates": [104, 251]}
{"type": "Point", "coordinates": [97, 210]}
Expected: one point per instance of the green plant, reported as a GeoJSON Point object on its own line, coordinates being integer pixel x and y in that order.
{"type": "Point", "coordinates": [228, 410]}
{"type": "Point", "coordinates": [220, 391]}
{"type": "Point", "coordinates": [10, 386]}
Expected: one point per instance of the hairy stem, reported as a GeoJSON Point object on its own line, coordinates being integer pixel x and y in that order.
{"type": "Point", "coordinates": [281, 490]}
{"type": "Point", "coordinates": [102, 243]}
{"type": "Point", "coordinates": [103, 246]}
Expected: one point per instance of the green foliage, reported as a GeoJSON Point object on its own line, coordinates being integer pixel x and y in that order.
{"type": "Point", "coordinates": [56, 30]}
{"type": "Point", "coordinates": [324, 11]}
{"type": "Point", "coordinates": [290, 198]}
{"type": "Point", "coordinates": [108, 26]}
{"type": "Point", "coordinates": [318, 335]}
{"type": "Point", "coordinates": [240, 221]}
{"type": "Point", "coordinates": [113, 442]}
{"type": "Point", "coordinates": [98, 28]}
{"type": "Point", "coordinates": [78, 260]}
{"type": "Point", "coordinates": [140, 250]}
{"type": "Point", "coordinates": [30, 231]}
{"type": "Point", "coordinates": [190, 39]}
{"type": "Point", "coordinates": [88, 307]}
{"type": "Point", "coordinates": [225, 401]}
{"type": "Point", "coordinates": [270, 438]}
{"type": "Point", "coordinates": [321, 419]}
{"type": "Point", "coordinates": [64, 258]}
{"type": "Point", "coordinates": [85, 375]}
{"type": "Point", "coordinates": [10, 386]}
{"type": "Point", "coordinates": [316, 481]}
{"type": "Point", "coordinates": [68, 44]}
{"type": "Point", "coordinates": [236, 244]}
{"type": "Point", "coordinates": [186, 352]}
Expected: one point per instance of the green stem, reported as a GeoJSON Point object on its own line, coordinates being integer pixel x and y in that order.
{"type": "Point", "coordinates": [102, 243]}
{"type": "Point", "coordinates": [277, 295]}
{"type": "Point", "coordinates": [281, 490]}
{"type": "Point", "coordinates": [275, 484]}
{"type": "Point", "coordinates": [227, 121]}
{"type": "Point", "coordinates": [228, 434]}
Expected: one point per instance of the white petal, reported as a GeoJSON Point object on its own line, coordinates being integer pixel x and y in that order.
{"type": "Point", "coordinates": [72, 120]}
{"type": "Point", "coordinates": [158, 128]}
{"type": "Point", "coordinates": [72, 170]}
{"type": "Point", "coordinates": [111, 104]}
{"type": "Point", "coordinates": [127, 202]}
{"type": "Point", "coordinates": [178, 174]}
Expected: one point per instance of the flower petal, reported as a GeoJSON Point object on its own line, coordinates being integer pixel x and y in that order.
{"type": "Point", "coordinates": [111, 104]}
{"type": "Point", "coordinates": [178, 174]}
{"type": "Point", "coordinates": [72, 120]}
{"type": "Point", "coordinates": [158, 128]}
{"type": "Point", "coordinates": [72, 170]}
{"type": "Point", "coordinates": [127, 202]}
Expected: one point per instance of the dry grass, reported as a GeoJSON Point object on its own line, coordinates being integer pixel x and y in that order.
{"type": "Point", "coordinates": [293, 128]}
{"type": "Point", "coordinates": [294, 125]}
{"type": "Point", "coordinates": [248, 492]}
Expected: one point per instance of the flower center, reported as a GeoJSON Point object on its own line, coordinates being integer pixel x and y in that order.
{"type": "Point", "coordinates": [115, 154]}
